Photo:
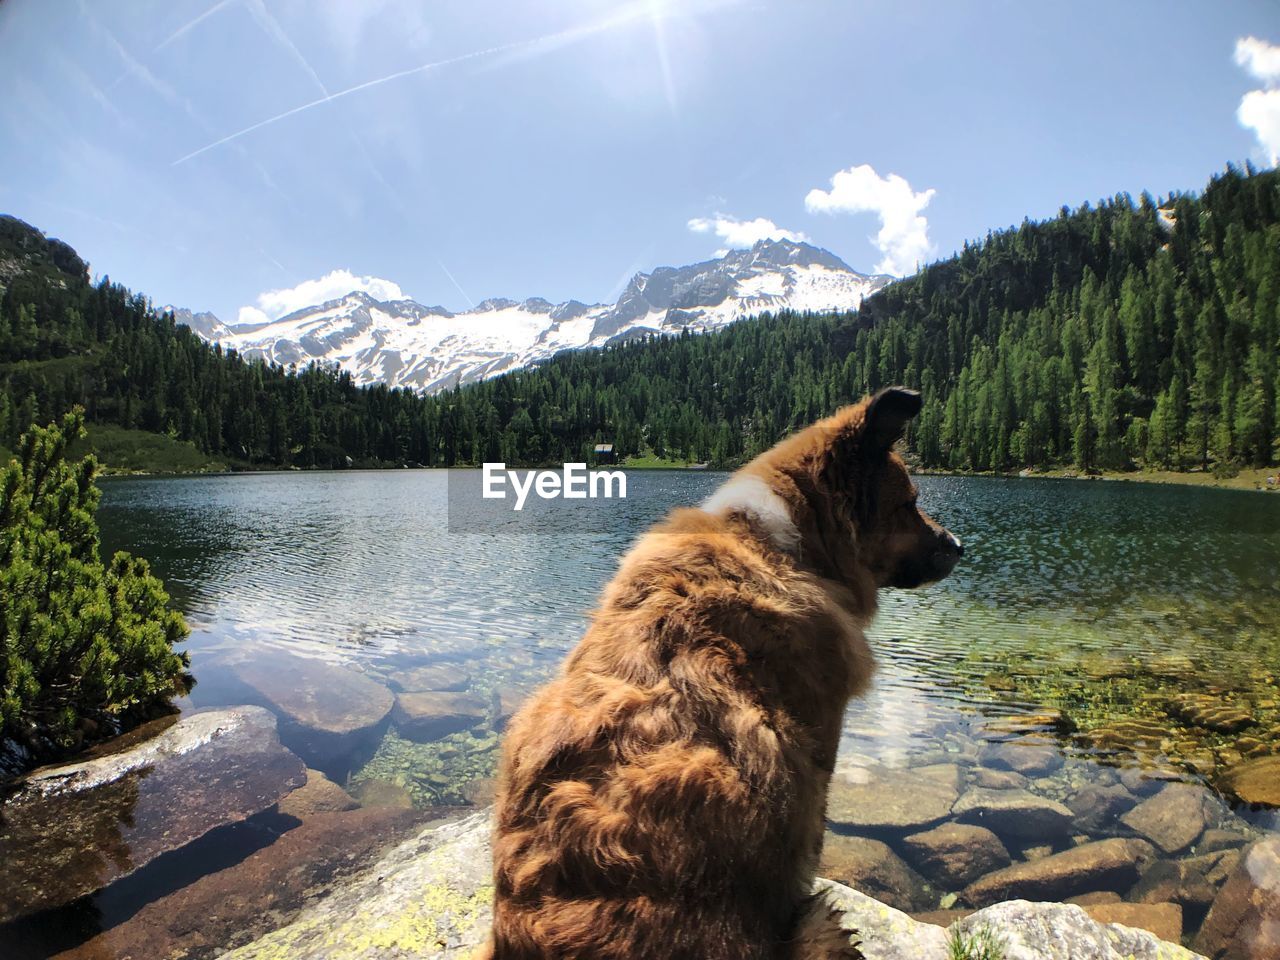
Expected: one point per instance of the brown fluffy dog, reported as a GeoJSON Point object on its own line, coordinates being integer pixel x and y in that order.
{"type": "Point", "coordinates": [664, 797]}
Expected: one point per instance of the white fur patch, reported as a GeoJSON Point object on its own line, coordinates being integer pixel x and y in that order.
{"type": "Point", "coordinates": [754, 497]}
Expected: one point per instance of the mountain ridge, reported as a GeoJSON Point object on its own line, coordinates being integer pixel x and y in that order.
{"type": "Point", "coordinates": [404, 343]}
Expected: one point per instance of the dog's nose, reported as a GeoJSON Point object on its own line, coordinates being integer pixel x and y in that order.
{"type": "Point", "coordinates": [959, 548]}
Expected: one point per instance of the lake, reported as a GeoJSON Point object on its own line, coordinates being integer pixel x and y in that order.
{"type": "Point", "coordinates": [1096, 620]}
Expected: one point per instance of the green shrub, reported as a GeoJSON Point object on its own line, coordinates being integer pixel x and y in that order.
{"type": "Point", "coordinates": [982, 943]}
{"type": "Point", "coordinates": [86, 649]}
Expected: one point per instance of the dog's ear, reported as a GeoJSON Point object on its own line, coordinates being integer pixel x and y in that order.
{"type": "Point", "coordinates": [886, 418]}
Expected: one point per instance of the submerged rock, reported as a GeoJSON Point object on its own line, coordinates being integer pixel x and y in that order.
{"type": "Point", "coordinates": [956, 854]}
{"type": "Point", "coordinates": [249, 898]}
{"type": "Point", "coordinates": [1174, 818]}
{"type": "Point", "coordinates": [1244, 922]}
{"type": "Point", "coordinates": [326, 712]}
{"type": "Point", "coordinates": [318, 795]}
{"type": "Point", "coordinates": [1098, 807]}
{"type": "Point", "coordinates": [895, 800]}
{"type": "Point", "coordinates": [71, 829]}
{"type": "Point", "coordinates": [430, 715]}
{"type": "Point", "coordinates": [1254, 781]}
{"type": "Point", "coordinates": [1029, 758]}
{"type": "Point", "coordinates": [1102, 865]}
{"type": "Point", "coordinates": [870, 866]}
{"type": "Point", "coordinates": [1014, 814]}
{"type": "Point", "coordinates": [449, 677]}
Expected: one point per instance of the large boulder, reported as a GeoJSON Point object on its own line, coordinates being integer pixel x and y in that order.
{"type": "Point", "coordinates": [894, 800]}
{"type": "Point", "coordinates": [326, 712]}
{"type": "Point", "coordinates": [1244, 922]}
{"type": "Point", "coordinates": [430, 896]}
{"type": "Point", "coordinates": [1174, 818]}
{"type": "Point", "coordinates": [871, 867]}
{"type": "Point", "coordinates": [251, 897]}
{"type": "Point", "coordinates": [1061, 931]}
{"type": "Point", "coordinates": [955, 854]}
{"type": "Point", "coordinates": [1017, 815]}
{"type": "Point", "coordinates": [1102, 865]}
{"type": "Point", "coordinates": [71, 829]}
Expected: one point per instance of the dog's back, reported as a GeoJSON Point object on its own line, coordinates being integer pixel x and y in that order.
{"type": "Point", "coordinates": [664, 796]}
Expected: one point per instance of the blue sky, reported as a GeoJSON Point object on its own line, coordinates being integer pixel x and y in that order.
{"type": "Point", "coordinates": [209, 152]}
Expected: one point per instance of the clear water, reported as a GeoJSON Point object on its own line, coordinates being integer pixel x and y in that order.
{"type": "Point", "coordinates": [1092, 599]}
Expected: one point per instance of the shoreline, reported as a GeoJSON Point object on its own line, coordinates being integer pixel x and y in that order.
{"type": "Point", "coordinates": [1252, 479]}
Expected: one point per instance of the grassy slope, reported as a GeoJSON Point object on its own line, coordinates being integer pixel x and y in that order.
{"type": "Point", "coordinates": [121, 450]}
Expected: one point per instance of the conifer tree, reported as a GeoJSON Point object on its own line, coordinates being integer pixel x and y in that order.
{"type": "Point", "coordinates": [85, 648]}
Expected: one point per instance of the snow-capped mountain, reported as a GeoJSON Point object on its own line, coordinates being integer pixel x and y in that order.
{"type": "Point", "coordinates": [406, 344]}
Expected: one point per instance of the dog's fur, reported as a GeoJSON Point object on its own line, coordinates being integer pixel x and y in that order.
{"type": "Point", "coordinates": [664, 797]}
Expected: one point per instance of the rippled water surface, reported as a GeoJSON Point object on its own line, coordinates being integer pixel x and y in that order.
{"type": "Point", "coordinates": [360, 568]}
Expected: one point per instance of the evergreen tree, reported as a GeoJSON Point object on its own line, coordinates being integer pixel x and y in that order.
{"type": "Point", "coordinates": [85, 648]}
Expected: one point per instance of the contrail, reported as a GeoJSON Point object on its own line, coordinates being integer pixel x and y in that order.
{"type": "Point", "coordinates": [185, 27]}
{"type": "Point", "coordinates": [455, 283]}
{"type": "Point", "coordinates": [575, 32]}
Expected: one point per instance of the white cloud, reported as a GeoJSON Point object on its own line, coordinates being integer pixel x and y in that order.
{"type": "Point", "coordinates": [1259, 110]}
{"type": "Point", "coordinates": [739, 234]}
{"type": "Point", "coordinates": [338, 283]}
{"type": "Point", "coordinates": [1259, 58]}
{"type": "Point", "coordinates": [904, 231]}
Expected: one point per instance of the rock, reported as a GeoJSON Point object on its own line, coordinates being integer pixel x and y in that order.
{"type": "Point", "coordinates": [1061, 931]}
{"type": "Point", "coordinates": [953, 854]}
{"type": "Point", "coordinates": [318, 795]}
{"type": "Point", "coordinates": [260, 892]}
{"type": "Point", "coordinates": [872, 868]}
{"type": "Point", "coordinates": [1171, 881]}
{"type": "Point", "coordinates": [1215, 867]}
{"type": "Point", "coordinates": [999, 779]}
{"type": "Point", "coordinates": [941, 918]}
{"type": "Point", "coordinates": [1144, 781]}
{"type": "Point", "coordinates": [481, 791]}
{"type": "Point", "coordinates": [429, 896]}
{"type": "Point", "coordinates": [1162, 919]}
{"type": "Point", "coordinates": [884, 933]}
{"type": "Point", "coordinates": [1103, 865]}
{"type": "Point", "coordinates": [448, 677]}
{"type": "Point", "coordinates": [382, 793]}
{"type": "Point", "coordinates": [1213, 713]}
{"type": "Point", "coordinates": [1014, 814]}
{"type": "Point", "coordinates": [895, 800]}
{"type": "Point", "coordinates": [72, 829]}
{"type": "Point", "coordinates": [1093, 899]}
{"type": "Point", "coordinates": [1254, 781]}
{"type": "Point", "coordinates": [1220, 840]}
{"type": "Point", "coordinates": [1030, 759]}
{"type": "Point", "coordinates": [1037, 852]}
{"type": "Point", "coordinates": [506, 701]}
{"type": "Point", "coordinates": [326, 712]}
{"type": "Point", "coordinates": [432, 716]}
{"type": "Point", "coordinates": [1173, 819]}
{"type": "Point", "coordinates": [1099, 808]}
{"type": "Point", "coordinates": [1244, 922]}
